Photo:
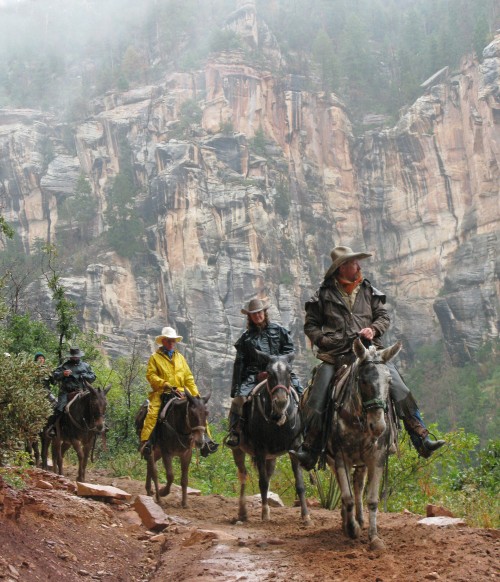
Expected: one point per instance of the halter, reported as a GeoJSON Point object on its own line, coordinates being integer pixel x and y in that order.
{"type": "Point", "coordinates": [271, 391]}
{"type": "Point", "coordinates": [288, 389]}
{"type": "Point", "coordinates": [374, 403]}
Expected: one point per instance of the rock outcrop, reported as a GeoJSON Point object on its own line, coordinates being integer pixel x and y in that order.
{"type": "Point", "coordinates": [252, 199]}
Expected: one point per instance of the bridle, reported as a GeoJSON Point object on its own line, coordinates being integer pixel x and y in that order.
{"type": "Point", "coordinates": [272, 398]}
{"type": "Point", "coordinates": [373, 403]}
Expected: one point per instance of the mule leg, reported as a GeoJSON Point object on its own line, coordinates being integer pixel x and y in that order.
{"type": "Point", "coordinates": [266, 469]}
{"type": "Point", "coordinates": [342, 472]}
{"type": "Point", "coordinates": [239, 460]}
{"type": "Point", "coordinates": [45, 451]}
{"type": "Point", "coordinates": [185, 459]}
{"type": "Point", "coordinates": [359, 486]}
{"type": "Point", "coordinates": [77, 445]}
{"type": "Point", "coordinates": [87, 447]}
{"type": "Point", "coordinates": [153, 474]}
{"type": "Point", "coordinates": [300, 490]}
{"type": "Point", "coordinates": [375, 471]}
{"type": "Point", "coordinates": [169, 470]}
{"type": "Point", "coordinates": [57, 456]}
{"type": "Point", "coordinates": [149, 474]}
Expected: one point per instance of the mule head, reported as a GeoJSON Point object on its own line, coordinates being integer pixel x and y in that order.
{"type": "Point", "coordinates": [196, 417]}
{"type": "Point", "coordinates": [97, 408]}
{"type": "Point", "coordinates": [279, 372]}
{"type": "Point", "coordinates": [374, 380]}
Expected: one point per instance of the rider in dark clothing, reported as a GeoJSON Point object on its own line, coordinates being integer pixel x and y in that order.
{"type": "Point", "coordinates": [70, 376]}
{"type": "Point", "coordinates": [262, 335]}
{"type": "Point", "coordinates": [347, 306]}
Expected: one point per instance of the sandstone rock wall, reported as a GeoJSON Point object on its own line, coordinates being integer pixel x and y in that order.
{"type": "Point", "coordinates": [226, 220]}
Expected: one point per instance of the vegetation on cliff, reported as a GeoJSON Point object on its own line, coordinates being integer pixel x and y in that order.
{"type": "Point", "coordinates": [375, 54]}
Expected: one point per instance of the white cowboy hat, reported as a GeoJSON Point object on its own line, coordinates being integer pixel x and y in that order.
{"type": "Point", "coordinates": [341, 255]}
{"type": "Point", "coordinates": [168, 333]}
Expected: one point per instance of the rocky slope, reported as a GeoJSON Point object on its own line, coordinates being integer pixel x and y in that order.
{"type": "Point", "coordinates": [251, 199]}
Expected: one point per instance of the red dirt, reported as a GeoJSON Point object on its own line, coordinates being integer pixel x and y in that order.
{"type": "Point", "coordinates": [59, 536]}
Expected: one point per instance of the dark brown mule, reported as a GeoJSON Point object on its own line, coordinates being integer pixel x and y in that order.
{"type": "Point", "coordinates": [78, 426]}
{"type": "Point", "coordinates": [182, 429]}
{"type": "Point", "coordinates": [271, 428]}
{"type": "Point", "coordinates": [360, 437]}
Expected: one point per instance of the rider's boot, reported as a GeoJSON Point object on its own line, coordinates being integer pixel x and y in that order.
{"type": "Point", "coordinates": [208, 447]}
{"type": "Point", "coordinates": [308, 452]}
{"type": "Point", "coordinates": [419, 436]}
{"type": "Point", "coordinates": [145, 449]}
{"type": "Point", "coordinates": [235, 420]}
{"type": "Point", "coordinates": [50, 431]}
{"type": "Point", "coordinates": [233, 438]}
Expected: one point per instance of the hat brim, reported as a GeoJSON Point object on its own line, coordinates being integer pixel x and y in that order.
{"type": "Point", "coordinates": [263, 308]}
{"type": "Point", "coordinates": [349, 257]}
{"type": "Point", "coordinates": [159, 338]}
{"type": "Point", "coordinates": [78, 355]}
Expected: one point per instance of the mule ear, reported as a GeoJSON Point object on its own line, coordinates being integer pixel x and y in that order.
{"type": "Point", "coordinates": [390, 352]}
{"type": "Point", "coordinates": [207, 397]}
{"type": "Point", "coordinates": [107, 389]}
{"type": "Point", "coordinates": [290, 357]}
{"type": "Point", "coordinates": [188, 395]}
{"type": "Point", "coordinates": [261, 357]}
{"type": "Point", "coordinates": [359, 349]}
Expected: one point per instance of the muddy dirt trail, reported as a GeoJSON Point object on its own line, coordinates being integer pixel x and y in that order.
{"type": "Point", "coordinates": [59, 536]}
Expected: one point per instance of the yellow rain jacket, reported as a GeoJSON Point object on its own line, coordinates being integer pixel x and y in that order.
{"type": "Point", "coordinates": [165, 374]}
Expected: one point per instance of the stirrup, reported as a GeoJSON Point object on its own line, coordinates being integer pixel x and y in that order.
{"type": "Point", "coordinates": [208, 448]}
{"type": "Point", "coordinates": [145, 449]}
{"type": "Point", "coordinates": [50, 431]}
{"type": "Point", "coordinates": [232, 440]}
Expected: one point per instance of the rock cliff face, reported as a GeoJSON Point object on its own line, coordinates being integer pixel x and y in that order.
{"type": "Point", "coordinates": [251, 200]}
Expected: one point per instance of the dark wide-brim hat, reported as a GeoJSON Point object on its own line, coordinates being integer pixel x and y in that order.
{"type": "Point", "coordinates": [341, 255]}
{"type": "Point", "coordinates": [255, 305]}
{"type": "Point", "coordinates": [75, 353]}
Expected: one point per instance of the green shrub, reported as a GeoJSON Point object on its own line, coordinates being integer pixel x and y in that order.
{"type": "Point", "coordinates": [24, 407]}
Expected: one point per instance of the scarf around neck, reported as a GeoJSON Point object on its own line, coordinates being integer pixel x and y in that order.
{"type": "Point", "coordinates": [349, 286]}
{"type": "Point", "coordinates": [168, 353]}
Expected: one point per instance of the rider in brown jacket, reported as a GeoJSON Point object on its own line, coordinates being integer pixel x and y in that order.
{"type": "Point", "coordinates": [345, 307]}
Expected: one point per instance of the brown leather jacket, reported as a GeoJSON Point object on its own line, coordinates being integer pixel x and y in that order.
{"type": "Point", "coordinates": [333, 327]}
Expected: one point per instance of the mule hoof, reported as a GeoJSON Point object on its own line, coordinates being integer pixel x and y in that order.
{"type": "Point", "coordinates": [307, 521]}
{"type": "Point", "coordinates": [353, 530]}
{"type": "Point", "coordinates": [164, 491]}
{"type": "Point", "coordinates": [377, 544]}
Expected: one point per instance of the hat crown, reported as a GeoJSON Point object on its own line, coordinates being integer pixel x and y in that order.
{"type": "Point", "coordinates": [169, 332]}
{"type": "Point", "coordinates": [75, 353]}
{"type": "Point", "coordinates": [340, 253]}
{"type": "Point", "coordinates": [255, 305]}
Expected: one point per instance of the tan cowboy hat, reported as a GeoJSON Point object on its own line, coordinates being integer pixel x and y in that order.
{"type": "Point", "coordinates": [255, 305]}
{"type": "Point", "coordinates": [168, 333]}
{"type": "Point", "coordinates": [341, 255]}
